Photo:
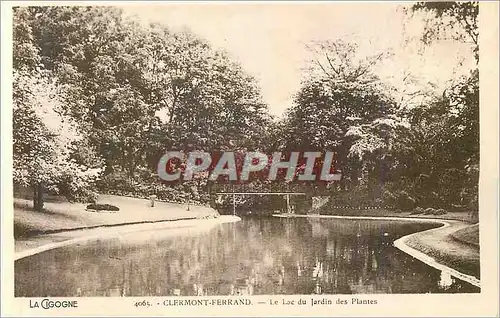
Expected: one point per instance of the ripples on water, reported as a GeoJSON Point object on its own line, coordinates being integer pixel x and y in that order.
{"type": "Point", "coordinates": [254, 256]}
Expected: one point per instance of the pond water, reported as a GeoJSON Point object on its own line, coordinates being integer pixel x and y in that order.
{"type": "Point", "coordinates": [265, 255]}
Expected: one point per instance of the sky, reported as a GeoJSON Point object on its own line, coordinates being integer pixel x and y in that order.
{"type": "Point", "coordinates": [269, 40]}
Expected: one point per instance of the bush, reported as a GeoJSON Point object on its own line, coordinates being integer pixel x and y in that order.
{"type": "Point", "coordinates": [432, 211]}
{"type": "Point", "coordinates": [118, 181]}
{"type": "Point", "coordinates": [418, 210]}
{"type": "Point", "coordinates": [405, 202]}
{"type": "Point", "coordinates": [88, 196]}
{"type": "Point", "coordinates": [440, 212]}
{"type": "Point", "coordinates": [429, 211]}
{"type": "Point", "coordinates": [102, 207]}
{"type": "Point", "coordinates": [76, 190]}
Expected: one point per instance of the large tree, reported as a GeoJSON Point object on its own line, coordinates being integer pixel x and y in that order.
{"type": "Point", "coordinates": [137, 90]}
{"type": "Point", "coordinates": [45, 141]}
{"type": "Point", "coordinates": [340, 91]}
{"type": "Point", "coordinates": [450, 20]}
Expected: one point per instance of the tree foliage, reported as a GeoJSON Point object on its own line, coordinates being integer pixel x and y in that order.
{"type": "Point", "coordinates": [339, 97]}
{"type": "Point", "coordinates": [135, 90]}
{"type": "Point", "coordinates": [390, 153]}
{"type": "Point", "coordinates": [458, 20]}
{"type": "Point", "coordinates": [45, 141]}
{"type": "Point", "coordinates": [96, 89]}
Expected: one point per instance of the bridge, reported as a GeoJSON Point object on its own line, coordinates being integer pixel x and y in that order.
{"type": "Point", "coordinates": [287, 194]}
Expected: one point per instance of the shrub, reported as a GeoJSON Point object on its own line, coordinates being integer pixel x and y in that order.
{"type": "Point", "coordinates": [440, 212]}
{"type": "Point", "coordinates": [429, 211]}
{"type": "Point", "coordinates": [418, 210]}
{"type": "Point", "coordinates": [102, 207]}
{"type": "Point", "coordinates": [118, 181]}
{"type": "Point", "coordinates": [76, 189]}
{"type": "Point", "coordinates": [88, 196]}
{"type": "Point", "coordinates": [405, 202]}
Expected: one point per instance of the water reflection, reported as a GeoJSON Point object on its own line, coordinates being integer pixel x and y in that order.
{"type": "Point", "coordinates": [254, 256]}
{"type": "Point", "coordinates": [445, 280]}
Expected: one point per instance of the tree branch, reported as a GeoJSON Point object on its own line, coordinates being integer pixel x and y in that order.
{"type": "Point", "coordinates": [331, 64]}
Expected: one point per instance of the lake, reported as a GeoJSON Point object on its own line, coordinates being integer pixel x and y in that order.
{"type": "Point", "coordinates": [259, 255]}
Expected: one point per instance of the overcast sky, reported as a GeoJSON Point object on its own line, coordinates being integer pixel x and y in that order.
{"type": "Point", "coordinates": [269, 39]}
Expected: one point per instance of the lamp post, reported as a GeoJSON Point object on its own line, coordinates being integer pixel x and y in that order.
{"type": "Point", "coordinates": [152, 199]}
{"type": "Point", "coordinates": [234, 204]}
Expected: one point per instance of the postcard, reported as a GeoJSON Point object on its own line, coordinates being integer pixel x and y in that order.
{"type": "Point", "coordinates": [262, 159]}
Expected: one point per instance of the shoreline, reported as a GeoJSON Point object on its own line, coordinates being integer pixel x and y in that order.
{"type": "Point", "coordinates": [61, 239]}
{"type": "Point", "coordinates": [62, 216]}
{"type": "Point", "coordinates": [35, 233]}
{"type": "Point", "coordinates": [401, 243]}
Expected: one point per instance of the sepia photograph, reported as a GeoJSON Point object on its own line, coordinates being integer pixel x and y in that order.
{"type": "Point", "coordinates": [188, 150]}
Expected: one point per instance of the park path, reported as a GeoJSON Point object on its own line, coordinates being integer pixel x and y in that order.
{"type": "Point", "coordinates": [62, 221]}
{"type": "Point", "coordinates": [66, 216]}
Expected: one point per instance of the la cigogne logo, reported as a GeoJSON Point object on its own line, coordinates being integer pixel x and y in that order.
{"type": "Point", "coordinates": [242, 166]}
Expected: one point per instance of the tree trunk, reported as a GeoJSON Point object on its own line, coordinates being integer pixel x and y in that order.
{"type": "Point", "coordinates": [354, 177]}
{"type": "Point", "coordinates": [35, 197]}
{"type": "Point", "coordinates": [172, 110]}
{"type": "Point", "coordinates": [38, 197]}
{"type": "Point", "coordinates": [131, 163]}
{"type": "Point", "coordinates": [131, 170]}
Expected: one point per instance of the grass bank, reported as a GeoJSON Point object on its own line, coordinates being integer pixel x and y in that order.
{"type": "Point", "coordinates": [459, 216]}
{"type": "Point", "coordinates": [442, 245]}
{"type": "Point", "coordinates": [64, 216]}
{"type": "Point", "coordinates": [468, 235]}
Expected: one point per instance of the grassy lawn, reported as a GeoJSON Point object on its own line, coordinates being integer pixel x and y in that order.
{"type": "Point", "coordinates": [446, 249]}
{"type": "Point", "coordinates": [468, 235]}
{"type": "Point", "coordinates": [62, 215]}
{"type": "Point", "coordinates": [451, 258]}
{"type": "Point", "coordinates": [459, 216]}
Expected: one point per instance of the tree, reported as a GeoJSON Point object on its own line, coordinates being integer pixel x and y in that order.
{"type": "Point", "coordinates": [137, 90]}
{"type": "Point", "coordinates": [441, 150]}
{"type": "Point", "coordinates": [440, 153]}
{"type": "Point", "coordinates": [457, 20]}
{"type": "Point", "coordinates": [341, 88]}
{"type": "Point", "coordinates": [44, 140]}
{"type": "Point", "coordinates": [25, 53]}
